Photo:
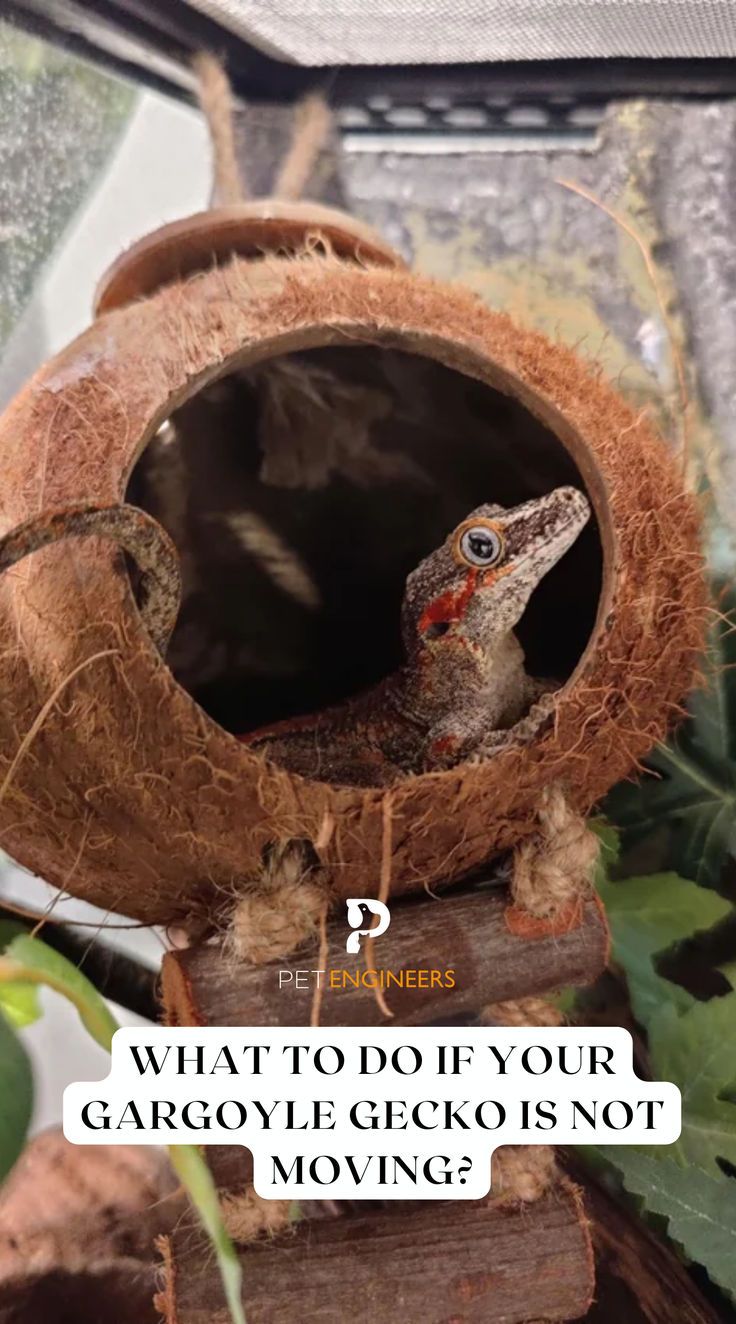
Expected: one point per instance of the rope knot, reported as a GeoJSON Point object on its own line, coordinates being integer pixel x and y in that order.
{"type": "Point", "coordinates": [554, 868]}
{"type": "Point", "coordinates": [247, 1215]}
{"type": "Point", "coordinates": [285, 911]}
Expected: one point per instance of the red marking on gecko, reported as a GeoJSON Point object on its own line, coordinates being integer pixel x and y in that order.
{"type": "Point", "coordinates": [450, 606]}
{"type": "Point", "coordinates": [443, 745]}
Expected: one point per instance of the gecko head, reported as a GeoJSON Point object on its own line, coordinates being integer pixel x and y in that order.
{"type": "Point", "coordinates": [475, 587]}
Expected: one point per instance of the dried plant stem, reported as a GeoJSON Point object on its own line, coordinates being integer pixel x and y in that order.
{"type": "Point", "coordinates": [384, 888]}
{"type": "Point", "coordinates": [43, 713]}
{"type": "Point", "coordinates": [653, 275]}
{"type": "Point", "coordinates": [321, 965]}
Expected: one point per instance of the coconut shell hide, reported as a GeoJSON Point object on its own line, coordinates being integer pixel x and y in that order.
{"type": "Point", "coordinates": [119, 786]}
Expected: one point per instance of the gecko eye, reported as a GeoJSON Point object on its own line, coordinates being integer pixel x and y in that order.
{"type": "Point", "coordinates": [479, 544]}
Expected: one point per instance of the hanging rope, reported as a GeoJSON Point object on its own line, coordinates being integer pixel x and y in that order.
{"type": "Point", "coordinates": [521, 1172]}
{"type": "Point", "coordinates": [216, 100]}
{"type": "Point", "coordinates": [551, 875]}
{"type": "Point", "coordinates": [310, 130]}
{"type": "Point", "coordinates": [287, 907]}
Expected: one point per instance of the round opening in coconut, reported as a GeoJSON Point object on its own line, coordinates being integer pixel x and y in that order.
{"type": "Point", "coordinates": [423, 553]}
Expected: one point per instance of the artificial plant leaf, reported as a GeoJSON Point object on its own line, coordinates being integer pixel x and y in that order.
{"type": "Point", "coordinates": [16, 1096]}
{"type": "Point", "coordinates": [609, 838]}
{"type": "Point", "coordinates": [27, 960]}
{"type": "Point", "coordinates": [691, 787]}
{"type": "Point", "coordinates": [9, 929]}
{"type": "Point", "coordinates": [697, 1051]}
{"type": "Point", "coordinates": [647, 916]}
{"type": "Point", "coordinates": [728, 970]}
{"type": "Point", "coordinates": [20, 1003]}
{"type": "Point", "coordinates": [700, 1209]}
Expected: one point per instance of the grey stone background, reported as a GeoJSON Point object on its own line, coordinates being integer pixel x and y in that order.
{"type": "Point", "coordinates": [499, 221]}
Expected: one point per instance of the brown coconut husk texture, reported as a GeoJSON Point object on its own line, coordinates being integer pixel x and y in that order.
{"type": "Point", "coordinates": [129, 794]}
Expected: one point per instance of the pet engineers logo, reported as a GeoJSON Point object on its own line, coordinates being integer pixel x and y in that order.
{"type": "Point", "coordinates": [355, 905]}
{"type": "Point", "coordinates": [367, 920]}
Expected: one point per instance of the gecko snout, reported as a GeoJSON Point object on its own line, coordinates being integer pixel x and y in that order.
{"type": "Point", "coordinates": [572, 505]}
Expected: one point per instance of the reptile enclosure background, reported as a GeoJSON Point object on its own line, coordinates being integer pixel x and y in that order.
{"type": "Point", "coordinates": [132, 793]}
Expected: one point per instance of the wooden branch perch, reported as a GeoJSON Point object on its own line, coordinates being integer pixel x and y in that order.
{"type": "Point", "coordinates": [463, 932]}
{"type": "Point", "coordinates": [639, 1278]}
{"type": "Point", "coordinates": [436, 1263]}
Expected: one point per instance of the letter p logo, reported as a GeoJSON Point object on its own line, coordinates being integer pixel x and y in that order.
{"type": "Point", "coordinates": [356, 918]}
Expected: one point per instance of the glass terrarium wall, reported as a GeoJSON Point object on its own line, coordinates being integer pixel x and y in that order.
{"type": "Point", "coordinates": [88, 162]}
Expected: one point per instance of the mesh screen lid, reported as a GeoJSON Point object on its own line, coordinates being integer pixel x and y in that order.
{"type": "Point", "coordinates": [459, 31]}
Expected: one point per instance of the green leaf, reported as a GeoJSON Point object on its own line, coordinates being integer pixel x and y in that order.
{"type": "Point", "coordinates": [728, 970]}
{"type": "Point", "coordinates": [20, 1003]}
{"type": "Point", "coordinates": [647, 916]}
{"type": "Point", "coordinates": [191, 1169]}
{"type": "Point", "coordinates": [696, 1052]}
{"type": "Point", "coordinates": [18, 1000]}
{"type": "Point", "coordinates": [16, 1097]}
{"type": "Point", "coordinates": [9, 929]}
{"type": "Point", "coordinates": [701, 1210]}
{"type": "Point", "coordinates": [29, 961]}
{"type": "Point", "coordinates": [693, 787]}
{"type": "Point", "coordinates": [609, 838]}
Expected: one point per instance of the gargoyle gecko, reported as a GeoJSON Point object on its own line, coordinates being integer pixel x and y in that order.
{"type": "Point", "coordinates": [463, 684]}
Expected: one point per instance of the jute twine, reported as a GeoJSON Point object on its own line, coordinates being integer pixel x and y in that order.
{"type": "Point", "coordinates": [551, 875]}
{"type": "Point", "coordinates": [247, 1215]}
{"type": "Point", "coordinates": [552, 870]}
{"type": "Point", "coordinates": [523, 1012]}
{"type": "Point", "coordinates": [216, 101]}
{"type": "Point", "coordinates": [285, 910]}
{"type": "Point", "coordinates": [521, 1172]}
{"type": "Point", "coordinates": [288, 907]}
{"type": "Point", "coordinates": [311, 127]}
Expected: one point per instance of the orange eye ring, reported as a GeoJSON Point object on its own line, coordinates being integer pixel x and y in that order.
{"type": "Point", "coordinates": [479, 543]}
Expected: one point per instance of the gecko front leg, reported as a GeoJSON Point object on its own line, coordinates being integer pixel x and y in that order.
{"type": "Point", "coordinates": [523, 732]}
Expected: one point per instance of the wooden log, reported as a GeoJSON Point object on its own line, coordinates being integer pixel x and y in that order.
{"type": "Point", "coordinates": [639, 1278]}
{"type": "Point", "coordinates": [466, 933]}
{"type": "Point", "coordinates": [434, 1264]}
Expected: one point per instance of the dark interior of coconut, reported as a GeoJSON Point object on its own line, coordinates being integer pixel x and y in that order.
{"type": "Point", "coordinates": [301, 492]}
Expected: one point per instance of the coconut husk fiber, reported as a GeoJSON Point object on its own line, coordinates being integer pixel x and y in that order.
{"type": "Point", "coordinates": [131, 794]}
